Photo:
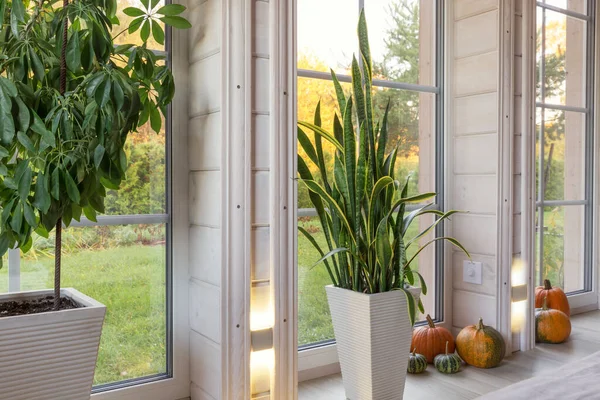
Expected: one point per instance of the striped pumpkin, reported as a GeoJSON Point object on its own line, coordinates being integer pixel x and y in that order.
{"type": "Point", "coordinates": [481, 346]}
{"type": "Point", "coordinates": [447, 363]}
{"type": "Point", "coordinates": [430, 340]}
{"type": "Point", "coordinates": [551, 326]}
{"type": "Point", "coordinates": [417, 363]}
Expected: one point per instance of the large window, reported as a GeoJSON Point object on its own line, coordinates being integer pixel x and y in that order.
{"type": "Point", "coordinates": [405, 44]}
{"type": "Point", "coordinates": [122, 260]}
{"type": "Point", "coordinates": [564, 151]}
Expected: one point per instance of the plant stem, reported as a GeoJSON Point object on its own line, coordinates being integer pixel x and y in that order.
{"type": "Point", "coordinates": [57, 261]}
{"type": "Point", "coordinates": [63, 89]}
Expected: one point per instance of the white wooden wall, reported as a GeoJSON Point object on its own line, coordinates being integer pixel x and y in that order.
{"type": "Point", "coordinates": [473, 143]}
{"type": "Point", "coordinates": [205, 152]}
{"type": "Point", "coordinates": [239, 204]}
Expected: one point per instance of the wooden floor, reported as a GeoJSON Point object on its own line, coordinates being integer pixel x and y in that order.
{"type": "Point", "coordinates": [472, 382]}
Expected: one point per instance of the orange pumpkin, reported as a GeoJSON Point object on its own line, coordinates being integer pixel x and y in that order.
{"type": "Point", "coordinates": [557, 299]}
{"type": "Point", "coordinates": [481, 346]}
{"type": "Point", "coordinates": [551, 326]}
{"type": "Point", "coordinates": [430, 340]}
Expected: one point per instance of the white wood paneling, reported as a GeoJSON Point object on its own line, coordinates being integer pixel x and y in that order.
{"type": "Point", "coordinates": [204, 137]}
{"type": "Point", "coordinates": [205, 35]}
{"type": "Point", "coordinates": [476, 114]}
{"type": "Point", "coordinates": [199, 394]}
{"type": "Point", "coordinates": [261, 88]}
{"type": "Point", "coordinates": [477, 233]}
{"type": "Point", "coordinates": [473, 193]}
{"type": "Point", "coordinates": [261, 142]}
{"type": "Point", "coordinates": [468, 307]}
{"type": "Point", "coordinates": [205, 198]}
{"type": "Point", "coordinates": [476, 74]}
{"type": "Point", "coordinates": [477, 34]}
{"type": "Point", "coordinates": [261, 257]}
{"type": "Point", "coordinates": [205, 254]}
{"type": "Point", "coordinates": [469, 8]}
{"type": "Point", "coordinates": [205, 310]}
{"type": "Point", "coordinates": [476, 154]}
{"type": "Point", "coordinates": [261, 28]}
{"type": "Point", "coordinates": [205, 87]}
{"type": "Point", "coordinates": [205, 367]}
{"type": "Point", "coordinates": [261, 205]}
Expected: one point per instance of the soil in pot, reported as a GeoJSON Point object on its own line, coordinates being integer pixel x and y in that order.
{"type": "Point", "coordinates": [34, 306]}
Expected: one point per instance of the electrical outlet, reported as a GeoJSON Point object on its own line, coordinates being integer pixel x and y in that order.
{"type": "Point", "coordinates": [472, 272]}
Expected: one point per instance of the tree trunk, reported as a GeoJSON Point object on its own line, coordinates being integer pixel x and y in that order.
{"type": "Point", "coordinates": [63, 89]}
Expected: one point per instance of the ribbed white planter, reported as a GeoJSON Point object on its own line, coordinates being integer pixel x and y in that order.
{"type": "Point", "coordinates": [50, 356]}
{"type": "Point", "coordinates": [373, 334]}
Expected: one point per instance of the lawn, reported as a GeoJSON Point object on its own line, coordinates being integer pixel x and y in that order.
{"type": "Point", "coordinates": [130, 281]}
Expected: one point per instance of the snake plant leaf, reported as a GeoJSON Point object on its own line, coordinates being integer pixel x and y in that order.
{"type": "Point", "coordinates": [410, 301]}
{"type": "Point", "coordinates": [383, 249]}
{"type": "Point", "coordinates": [339, 92]}
{"type": "Point", "coordinates": [359, 95]}
{"type": "Point", "coordinates": [329, 255]}
{"type": "Point", "coordinates": [363, 42]}
{"type": "Point", "coordinates": [445, 238]}
{"type": "Point", "coordinates": [421, 282]}
{"type": "Point", "coordinates": [313, 241]}
{"type": "Point", "coordinates": [383, 133]}
{"type": "Point", "coordinates": [425, 231]}
{"type": "Point", "coordinates": [319, 150]}
{"type": "Point", "coordinates": [307, 146]}
{"type": "Point", "coordinates": [350, 159]}
{"type": "Point", "coordinates": [320, 131]}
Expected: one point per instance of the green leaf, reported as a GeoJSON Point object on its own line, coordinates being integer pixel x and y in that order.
{"type": "Point", "coordinates": [99, 155]}
{"type": "Point", "coordinates": [55, 189]}
{"type": "Point", "coordinates": [8, 86]}
{"type": "Point", "coordinates": [158, 33]}
{"type": "Point", "coordinates": [7, 128]}
{"type": "Point", "coordinates": [145, 32]}
{"type": "Point", "coordinates": [36, 63]}
{"type": "Point", "coordinates": [323, 133]}
{"type": "Point", "coordinates": [153, 4]}
{"type": "Point", "coordinates": [42, 199]}
{"type": "Point", "coordinates": [3, 152]}
{"type": "Point", "coordinates": [410, 302]}
{"type": "Point", "coordinates": [26, 142]}
{"type": "Point", "coordinates": [118, 95]}
{"type": "Point", "coordinates": [122, 160]}
{"type": "Point", "coordinates": [171, 10]}
{"type": "Point", "coordinates": [16, 222]}
{"type": "Point", "coordinates": [176, 22]}
{"type": "Point", "coordinates": [146, 3]}
{"type": "Point", "coordinates": [74, 53]}
{"type": "Point", "coordinates": [71, 186]}
{"type": "Point", "coordinates": [133, 12]}
{"type": "Point", "coordinates": [155, 119]}
{"type": "Point", "coordinates": [102, 95]}
{"type": "Point", "coordinates": [90, 213]}
{"type": "Point", "coordinates": [123, 48]}
{"type": "Point", "coordinates": [135, 25]}
{"type": "Point", "coordinates": [24, 183]}
{"type": "Point", "coordinates": [38, 126]}
{"type": "Point", "coordinates": [94, 84]}
{"type": "Point", "coordinates": [18, 9]}
{"type": "Point", "coordinates": [29, 215]}
{"type": "Point", "coordinates": [24, 115]}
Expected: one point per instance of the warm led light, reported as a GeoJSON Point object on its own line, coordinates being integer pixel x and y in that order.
{"type": "Point", "coordinates": [518, 316]}
{"type": "Point", "coordinates": [261, 320]}
{"type": "Point", "coordinates": [518, 273]}
{"type": "Point", "coordinates": [261, 370]}
{"type": "Point", "coordinates": [262, 359]}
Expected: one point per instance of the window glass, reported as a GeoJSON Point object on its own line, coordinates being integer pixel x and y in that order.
{"type": "Point", "coordinates": [122, 267]}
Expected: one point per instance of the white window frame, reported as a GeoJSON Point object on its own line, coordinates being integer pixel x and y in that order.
{"type": "Point", "coordinates": [322, 358]}
{"type": "Point", "coordinates": [588, 298]}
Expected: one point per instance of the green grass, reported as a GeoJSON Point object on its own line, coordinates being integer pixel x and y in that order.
{"type": "Point", "coordinates": [130, 281]}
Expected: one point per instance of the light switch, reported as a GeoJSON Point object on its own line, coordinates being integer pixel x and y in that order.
{"type": "Point", "coordinates": [472, 272]}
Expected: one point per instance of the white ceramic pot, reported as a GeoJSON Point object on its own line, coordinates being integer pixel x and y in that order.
{"type": "Point", "coordinates": [50, 356]}
{"type": "Point", "coordinates": [373, 334]}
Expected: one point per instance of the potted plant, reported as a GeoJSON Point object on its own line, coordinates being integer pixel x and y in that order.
{"type": "Point", "coordinates": [363, 214]}
{"type": "Point", "coordinates": [69, 97]}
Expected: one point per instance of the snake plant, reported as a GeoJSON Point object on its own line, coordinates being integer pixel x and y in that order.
{"type": "Point", "coordinates": [361, 206]}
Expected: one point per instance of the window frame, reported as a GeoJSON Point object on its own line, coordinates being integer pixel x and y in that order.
{"type": "Point", "coordinates": [320, 358]}
{"type": "Point", "coordinates": [582, 298]}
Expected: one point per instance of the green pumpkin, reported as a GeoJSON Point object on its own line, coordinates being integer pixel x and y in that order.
{"type": "Point", "coordinates": [447, 363]}
{"type": "Point", "coordinates": [417, 363]}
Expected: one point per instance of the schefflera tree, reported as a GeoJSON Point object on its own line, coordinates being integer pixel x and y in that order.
{"type": "Point", "coordinates": [69, 98]}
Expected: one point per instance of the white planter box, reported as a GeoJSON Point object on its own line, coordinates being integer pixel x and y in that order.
{"type": "Point", "coordinates": [373, 335]}
{"type": "Point", "coordinates": [50, 356]}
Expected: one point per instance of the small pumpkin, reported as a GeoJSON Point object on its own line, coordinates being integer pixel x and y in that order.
{"type": "Point", "coordinates": [430, 340]}
{"type": "Point", "coordinates": [556, 298]}
{"type": "Point", "coordinates": [481, 346]}
{"type": "Point", "coordinates": [448, 363]}
{"type": "Point", "coordinates": [551, 326]}
{"type": "Point", "coordinates": [417, 363]}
